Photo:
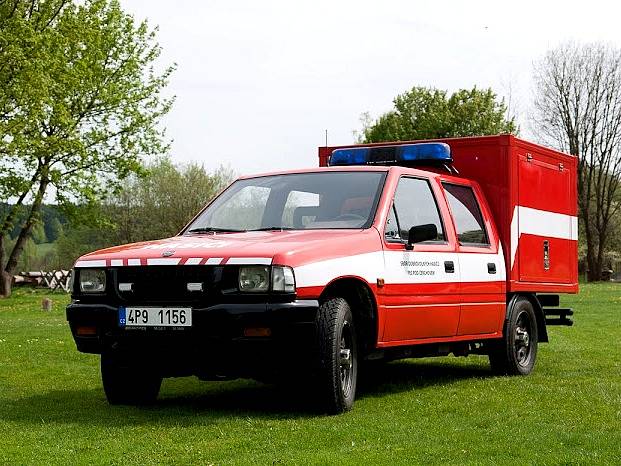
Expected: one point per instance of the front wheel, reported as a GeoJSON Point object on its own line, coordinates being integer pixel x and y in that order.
{"type": "Point", "coordinates": [516, 353]}
{"type": "Point", "coordinates": [126, 384]}
{"type": "Point", "coordinates": [338, 355]}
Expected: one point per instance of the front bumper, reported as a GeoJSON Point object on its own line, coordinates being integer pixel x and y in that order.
{"type": "Point", "coordinates": [215, 345]}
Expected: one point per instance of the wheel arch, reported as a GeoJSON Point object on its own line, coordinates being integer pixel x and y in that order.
{"type": "Point", "coordinates": [542, 330]}
{"type": "Point", "coordinates": [361, 298]}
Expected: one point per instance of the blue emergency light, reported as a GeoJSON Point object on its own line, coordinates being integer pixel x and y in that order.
{"type": "Point", "coordinates": [406, 154]}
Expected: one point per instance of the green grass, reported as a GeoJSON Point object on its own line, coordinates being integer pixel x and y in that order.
{"type": "Point", "coordinates": [447, 410]}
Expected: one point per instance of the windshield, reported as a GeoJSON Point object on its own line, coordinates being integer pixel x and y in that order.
{"type": "Point", "coordinates": [302, 201]}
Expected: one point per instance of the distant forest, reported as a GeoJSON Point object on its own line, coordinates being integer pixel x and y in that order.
{"type": "Point", "coordinates": [153, 206]}
{"type": "Point", "coordinates": [52, 221]}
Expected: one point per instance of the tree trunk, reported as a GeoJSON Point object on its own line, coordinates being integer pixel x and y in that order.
{"type": "Point", "coordinates": [24, 234]}
{"type": "Point", "coordinates": [593, 273]}
{"type": "Point", "coordinates": [5, 284]}
{"type": "Point", "coordinates": [599, 261]}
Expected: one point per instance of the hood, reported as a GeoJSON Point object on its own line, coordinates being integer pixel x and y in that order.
{"type": "Point", "coordinates": [289, 247]}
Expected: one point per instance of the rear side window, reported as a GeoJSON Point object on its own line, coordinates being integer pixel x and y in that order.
{"type": "Point", "coordinates": [467, 215]}
{"type": "Point", "coordinates": [414, 205]}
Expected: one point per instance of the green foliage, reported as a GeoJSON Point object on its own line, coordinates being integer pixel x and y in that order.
{"type": "Point", "coordinates": [155, 205]}
{"type": "Point", "coordinates": [53, 228]}
{"type": "Point", "coordinates": [80, 104]}
{"type": "Point", "coordinates": [159, 204]}
{"type": "Point", "coordinates": [78, 241]}
{"type": "Point", "coordinates": [42, 256]}
{"type": "Point", "coordinates": [429, 411]}
{"type": "Point", "coordinates": [427, 113]}
{"type": "Point", "coordinates": [38, 233]}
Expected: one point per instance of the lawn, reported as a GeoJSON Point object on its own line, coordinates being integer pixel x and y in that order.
{"type": "Point", "coordinates": [445, 410]}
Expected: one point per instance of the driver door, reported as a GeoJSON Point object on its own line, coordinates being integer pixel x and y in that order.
{"type": "Point", "coordinates": [421, 295]}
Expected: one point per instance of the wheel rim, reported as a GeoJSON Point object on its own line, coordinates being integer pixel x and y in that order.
{"type": "Point", "coordinates": [523, 339]}
{"type": "Point", "coordinates": [346, 359]}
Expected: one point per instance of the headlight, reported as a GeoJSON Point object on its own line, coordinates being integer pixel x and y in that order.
{"type": "Point", "coordinates": [254, 279]}
{"type": "Point", "coordinates": [283, 279]}
{"type": "Point", "coordinates": [92, 281]}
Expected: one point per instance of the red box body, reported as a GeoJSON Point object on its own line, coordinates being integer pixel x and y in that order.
{"type": "Point", "coordinates": [532, 193]}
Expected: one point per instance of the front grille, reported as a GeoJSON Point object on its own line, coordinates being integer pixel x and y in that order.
{"type": "Point", "coordinates": [169, 284]}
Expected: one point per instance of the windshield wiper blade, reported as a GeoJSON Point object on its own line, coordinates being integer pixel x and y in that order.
{"type": "Point", "coordinates": [273, 229]}
{"type": "Point", "coordinates": [214, 230]}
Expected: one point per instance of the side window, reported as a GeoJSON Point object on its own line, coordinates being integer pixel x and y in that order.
{"type": "Point", "coordinates": [415, 205]}
{"type": "Point", "coordinates": [467, 215]}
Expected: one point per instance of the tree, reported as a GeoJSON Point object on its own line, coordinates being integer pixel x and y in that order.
{"type": "Point", "coordinates": [427, 113]}
{"type": "Point", "coordinates": [578, 110]}
{"type": "Point", "coordinates": [172, 194]}
{"type": "Point", "coordinates": [156, 205]}
{"type": "Point", "coordinates": [80, 104]}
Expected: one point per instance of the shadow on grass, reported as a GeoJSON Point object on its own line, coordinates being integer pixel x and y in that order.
{"type": "Point", "coordinates": [211, 402]}
{"type": "Point", "coordinates": [401, 376]}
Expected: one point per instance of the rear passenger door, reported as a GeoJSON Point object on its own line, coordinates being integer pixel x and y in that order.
{"type": "Point", "coordinates": [481, 263]}
{"type": "Point", "coordinates": [421, 296]}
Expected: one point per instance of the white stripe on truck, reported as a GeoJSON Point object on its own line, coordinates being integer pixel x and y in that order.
{"type": "Point", "coordinates": [404, 267]}
{"type": "Point", "coordinates": [544, 223]}
{"type": "Point", "coordinates": [93, 263]}
{"type": "Point", "coordinates": [249, 261]}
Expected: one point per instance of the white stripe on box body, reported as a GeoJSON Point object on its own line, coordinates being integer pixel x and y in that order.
{"type": "Point", "coordinates": [249, 261]}
{"type": "Point", "coordinates": [193, 261]}
{"type": "Point", "coordinates": [91, 263]}
{"type": "Point", "coordinates": [214, 261]}
{"type": "Point", "coordinates": [116, 263]}
{"type": "Point", "coordinates": [133, 261]}
{"type": "Point", "coordinates": [164, 261]}
{"type": "Point", "coordinates": [544, 223]}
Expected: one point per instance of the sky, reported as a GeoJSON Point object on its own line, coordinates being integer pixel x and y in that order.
{"type": "Point", "coordinates": [259, 82]}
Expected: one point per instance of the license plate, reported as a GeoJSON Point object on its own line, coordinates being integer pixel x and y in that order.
{"type": "Point", "coordinates": [155, 317]}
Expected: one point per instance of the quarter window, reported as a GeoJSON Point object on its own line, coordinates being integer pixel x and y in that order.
{"type": "Point", "coordinates": [392, 227]}
{"type": "Point", "coordinates": [467, 215]}
{"type": "Point", "coordinates": [414, 205]}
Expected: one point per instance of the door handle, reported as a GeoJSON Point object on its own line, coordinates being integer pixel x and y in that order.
{"type": "Point", "coordinates": [491, 267]}
{"type": "Point", "coordinates": [449, 267]}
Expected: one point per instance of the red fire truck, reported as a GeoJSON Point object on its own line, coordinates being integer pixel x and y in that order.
{"type": "Point", "coordinates": [393, 250]}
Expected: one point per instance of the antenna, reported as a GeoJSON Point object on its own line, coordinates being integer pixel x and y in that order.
{"type": "Point", "coordinates": [326, 138]}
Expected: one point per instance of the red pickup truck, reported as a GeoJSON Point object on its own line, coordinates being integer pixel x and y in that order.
{"type": "Point", "coordinates": [386, 251]}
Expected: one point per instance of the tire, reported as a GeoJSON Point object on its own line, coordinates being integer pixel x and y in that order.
{"type": "Point", "coordinates": [516, 353]}
{"type": "Point", "coordinates": [338, 356]}
{"type": "Point", "coordinates": [128, 385]}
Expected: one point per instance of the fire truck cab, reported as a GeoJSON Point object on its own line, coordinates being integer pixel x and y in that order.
{"type": "Point", "coordinates": [387, 251]}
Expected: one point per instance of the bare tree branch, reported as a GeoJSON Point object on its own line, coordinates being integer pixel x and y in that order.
{"type": "Point", "coordinates": [578, 107]}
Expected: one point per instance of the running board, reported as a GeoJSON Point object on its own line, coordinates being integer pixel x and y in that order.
{"type": "Point", "coordinates": [560, 316]}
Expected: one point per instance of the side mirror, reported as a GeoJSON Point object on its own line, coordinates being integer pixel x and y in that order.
{"type": "Point", "coordinates": [421, 233]}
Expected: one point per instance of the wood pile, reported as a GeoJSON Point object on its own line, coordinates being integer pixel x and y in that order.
{"type": "Point", "coordinates": [53, 279]}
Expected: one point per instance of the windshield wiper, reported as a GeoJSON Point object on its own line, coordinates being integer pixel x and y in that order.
{"type": "Point", "coordinates": [214, 230]}
{"type": "Point", "coordinates": [272, 229]}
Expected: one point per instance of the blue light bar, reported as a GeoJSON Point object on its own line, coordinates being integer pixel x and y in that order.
{"type": "Point", "coordinates": [357, 156]}
{"type": "Point", "coordinates": [407, 154]}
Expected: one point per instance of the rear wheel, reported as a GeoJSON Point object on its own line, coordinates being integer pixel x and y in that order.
{"type": "Point", "coordinates": [338, 355]}
{"type": "Point", "coordinates": [516, 353]}
{"type": "Point", "coordinates": [126, 384]}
